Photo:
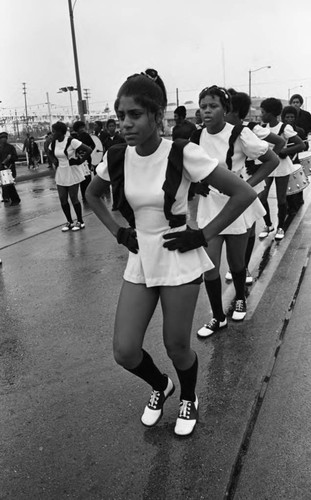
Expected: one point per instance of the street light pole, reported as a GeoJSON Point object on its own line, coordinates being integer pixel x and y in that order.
{"type": "Point", "coordinates": [250, 83]}
{"type": "Point", "coordinates": [26, 111]}
{"type": "Point", "coordinates": [75, 55]}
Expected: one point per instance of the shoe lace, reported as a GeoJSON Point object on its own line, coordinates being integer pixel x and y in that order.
{"type": "Point", "coordinates": [212, 323]}
{"type": "Point", "coordinates": [154, 398]}
{"type": "Point", "coordinates": [184, 410]}
{"type": "Point", "coordinates": [239, 305]}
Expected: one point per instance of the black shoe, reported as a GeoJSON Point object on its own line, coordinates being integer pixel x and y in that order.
{"type": "Point", "coordinates": [13, 203]}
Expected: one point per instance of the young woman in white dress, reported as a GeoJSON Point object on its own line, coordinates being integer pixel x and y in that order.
{"type": "Point", "coordinates": [166, 259]}
{"type": "Point", "coordinates": [69, 172]}
{"type": "Point", "coordinates": [214, 103]}
{"type": "Point", "coordinates": [271, 109]}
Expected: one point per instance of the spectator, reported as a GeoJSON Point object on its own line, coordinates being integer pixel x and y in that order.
{"type": "Point", "coordinates": [303, 119]}
{"type": "Point", "coordinates": [8, 158]}
{"type": "Point", "coordinates": [33, 154]}
{"type": "Point", "coordinates": [47, 142]}
{"type": "Point", "coordinates": [100, 132]}
{"type": "Point", "coordinates": [183, 128]}
{"type": "Point", "coordinates": [113, 136]}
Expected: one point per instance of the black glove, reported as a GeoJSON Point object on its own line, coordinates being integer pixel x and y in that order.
{"type": "Point", "coordinates": [127, 236]}
{"type": "Point", "coordinates": [201, 188]}
{"type": "Point", "coordinates": [282, 155]}
{"type": "Point", "coordinates": [185, 240]}
{"type": "Point", "coordinates": [74, 161]}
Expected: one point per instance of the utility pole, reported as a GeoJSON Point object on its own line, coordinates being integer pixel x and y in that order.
{"type": "Point", "coordinates": [25, 97]}
{"type": "Point", "coordinates": [16, 121]}
{"type": "Point", "coordinates": [49, 109]}
{"type": "Point", "coordinates": [177, 97]}
{"type": "Point", "coordinates": [81, 103]}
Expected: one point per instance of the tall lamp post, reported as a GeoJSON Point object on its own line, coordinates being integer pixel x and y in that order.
{"type": "Point", "coordinates": [81, 102]}
{"type": "Point", "coordinates": [289, 91]}
{"type": "Point", "coordinates": [250, 83]}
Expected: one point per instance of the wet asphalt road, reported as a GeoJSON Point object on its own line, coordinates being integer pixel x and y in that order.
{"type": "Point", "coordinates": [69, 415]}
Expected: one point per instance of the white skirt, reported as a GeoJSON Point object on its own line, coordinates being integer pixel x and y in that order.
{"type": "Point", "coordinates": [155, 265]}
{"type": "Point", "coordinates": [69, 175]}
{"type": "Point", "coordinates": [214, 202]}
{"type": "Point", "coordinates": [285, 167]}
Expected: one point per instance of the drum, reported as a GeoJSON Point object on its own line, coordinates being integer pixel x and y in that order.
{"type": "Point", "coordinates": [6, 177]}
{"type": "Point", "coordinates": [297, 181]}
{"type": "Point", "coordinates": [98, 151]}
{"type": "Point", "coordinates": [305, 160]}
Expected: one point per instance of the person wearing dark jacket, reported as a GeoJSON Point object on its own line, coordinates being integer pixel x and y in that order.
{"type": "Point", "coordinates": [85, 138]}
{"type": "Point", "coordinates": [8, 157]}
{"type": "Point", "coordinates": [113, 136]}
{"type": "Point", "coordinates": [183, 128]}
{"type": "Point", "coordinates": [303, 118]}
{"type": "Point", "coordinates": [33, 154]}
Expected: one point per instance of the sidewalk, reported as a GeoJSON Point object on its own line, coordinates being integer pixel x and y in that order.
{"type": "Point", "coordinates": [274, 460]}
{"type": "Point", "coordinates": [24, 174]}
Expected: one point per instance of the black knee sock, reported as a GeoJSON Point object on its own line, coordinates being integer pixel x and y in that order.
{"type": "Point", "coordinates": [249, 249]}
{"type": "Point", "coordinates": [239, 283]}
{"type": "Point", "coordinates": [282, 212]}
{"type": "Point", "coordinates": [188, 380]}
{"type": "Point", "coordinates": [213, 289]}
{"type": "Point", "coordinates": [78, 210]}
{"type": "Point", "coordinates": [148, 371]}
{"type": "Point", "coordinates": [267, 217]}
{"type": "Point", "coordinates": [67, 212]}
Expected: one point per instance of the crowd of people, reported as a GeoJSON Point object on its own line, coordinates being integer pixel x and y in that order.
{"type": "Point", "coordinates": [227, 162]}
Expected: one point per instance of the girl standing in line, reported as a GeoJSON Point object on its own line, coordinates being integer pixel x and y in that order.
{"type": "Point", "coordinates": [215, 139]}
{"type": "Point", "coordinates": [240, 105]}
{"type": "Point", "coordinates": [69, 172]}
{"type": "Point", "coordinates": [150, 184]}
{"type": "Point", "coordinates": [271, 108]}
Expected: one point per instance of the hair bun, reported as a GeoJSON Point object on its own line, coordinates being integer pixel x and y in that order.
{"type": "Point", "coordinates": [151, 73]}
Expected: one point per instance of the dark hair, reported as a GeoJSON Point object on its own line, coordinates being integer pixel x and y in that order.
{"type": "Point", "coordinates": [99, 123]}
{"type": "Point", "coordinates": [272, 105]}
{"type": "Point", "coordinates": [296, 96]}
{"type": "Point", "coordinates": [240, 104]}
{"type": "Point", "coordinates": [60, 127]}
{"type": "Point", "coordinates": [111, 120]}
{"type": "Point", "coordinates": [232, 91]}
{"type": "Point", "coordinates": [147, 89]}
{"type": "Point", "coordinates": [77, 125]}
{"type": "Point", "coordinates": [289, 110]}
{"type": "Point", "coordinates": [181, 111]}
{"type": "Point", "coordinates": [220, 92]}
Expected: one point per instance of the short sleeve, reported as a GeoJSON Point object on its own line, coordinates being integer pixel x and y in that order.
{"type": "Point", "coordinates": [75, 144]}
{"type": "Point", "coordinates": [197, 163]}
{"type": "Point", "coordinates": [252, 146]}
{"type": "Point", "coordinates": [261, 132]}
{"type": "Point", "coordinates": [289, 132]}
{"type": "Point", "coordinates": [102, 169]}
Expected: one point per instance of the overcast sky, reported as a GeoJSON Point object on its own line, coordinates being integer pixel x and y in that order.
{"type": "Point", "coordinates": [192, 44]}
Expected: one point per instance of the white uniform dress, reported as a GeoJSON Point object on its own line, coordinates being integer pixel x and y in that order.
{"type": "Point", "coordinates": [155, 265]}
{"type": "Point", "coordinates": [286, 166]}
{"type": "Point", "coordinates": [67, 175]}
{"type": "Point", "coordinates": [247, 145]}
{"type": "Point", "coordinates": [262, 133]}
